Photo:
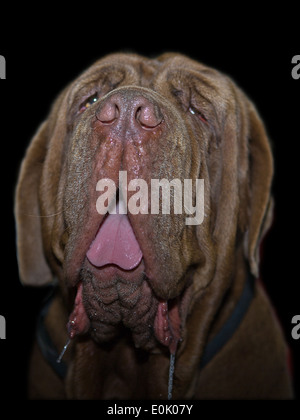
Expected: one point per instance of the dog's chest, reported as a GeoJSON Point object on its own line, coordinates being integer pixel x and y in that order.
{"type": "Point", "coordinates": [117, 372]}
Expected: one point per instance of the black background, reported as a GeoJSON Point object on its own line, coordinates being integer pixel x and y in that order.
{"type": "Point", "coordinates": [43, 53]}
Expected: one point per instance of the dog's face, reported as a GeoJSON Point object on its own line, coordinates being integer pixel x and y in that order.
{"type": "Point", "coordinates": [126, 122]}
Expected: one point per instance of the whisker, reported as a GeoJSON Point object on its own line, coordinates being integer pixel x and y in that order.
{"type": "Point", "coordinates": [42, 216]}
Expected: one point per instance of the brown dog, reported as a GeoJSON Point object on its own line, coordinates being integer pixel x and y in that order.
{"type": "Point", "coordinates": [135, 288]}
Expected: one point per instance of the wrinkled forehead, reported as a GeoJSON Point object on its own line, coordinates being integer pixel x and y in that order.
{"type": "Point", "coordinates": [170, 70]}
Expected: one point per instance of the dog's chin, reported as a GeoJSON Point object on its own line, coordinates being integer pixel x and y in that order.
{"type": "Point", "coordinates": [109, 299]}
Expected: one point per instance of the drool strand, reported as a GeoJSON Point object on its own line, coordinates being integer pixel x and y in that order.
{"type": "Point", "coordinates": [171, 375]}
{"type": "Point", "coordinates": [58, 360]}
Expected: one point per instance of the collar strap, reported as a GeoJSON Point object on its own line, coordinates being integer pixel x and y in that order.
{"type": "Point", "coordinates": [51, 354]}
{"type": "Point", "coordinates": [45, 343]}
{"type": "Point", "coordinates": [232, 323]}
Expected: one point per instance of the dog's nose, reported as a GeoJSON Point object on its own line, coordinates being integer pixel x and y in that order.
{"type": "Point", "coordinates": [147, 115]}
{"type": "Point", "coordinates": [137, 111]}
{"type": "Point", "coordinates": [109, 113]}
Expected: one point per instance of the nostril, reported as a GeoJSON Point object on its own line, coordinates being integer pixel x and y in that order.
{"type": "Point", "coordinates": [108, 113]}
{"type": "Point", "coordinates": [148, 117]}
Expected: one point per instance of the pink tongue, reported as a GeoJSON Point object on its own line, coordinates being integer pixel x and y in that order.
{"type": "Point", "coordinates": [115, 243]}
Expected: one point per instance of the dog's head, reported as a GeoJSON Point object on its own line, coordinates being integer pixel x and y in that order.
{"type": "Point", "coordinates": [122, 127]}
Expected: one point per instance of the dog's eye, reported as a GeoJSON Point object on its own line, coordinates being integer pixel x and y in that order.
{"type": "Point", "coordinates": [198, 113]}
{"type": "Point", "coordinates": [88, 102]}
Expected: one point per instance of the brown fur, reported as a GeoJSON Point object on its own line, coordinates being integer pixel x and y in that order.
{"type": "Point", "coordinates": [55, 201]}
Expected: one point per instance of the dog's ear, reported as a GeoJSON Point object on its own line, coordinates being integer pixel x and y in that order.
{"type": "Point", "coordinates": [33, 267]}
{"type": "Point", "coordinates": [260, 208]}
{"type": "Point", "coordinates": [242, 188]}
{"type": "Point", "coordinates": [36, 197]}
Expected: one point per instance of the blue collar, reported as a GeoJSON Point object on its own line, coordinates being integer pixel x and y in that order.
{"type": "Point", "coordinates": [45, 343]}
{"type": "Point", "coordinates": [232, 323]}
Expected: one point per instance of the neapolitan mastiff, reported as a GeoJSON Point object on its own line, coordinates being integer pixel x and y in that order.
{"type": "Point", "coordinates": [137, 288]}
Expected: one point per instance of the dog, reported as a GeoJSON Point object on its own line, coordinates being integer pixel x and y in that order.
{"type": "Point", "coordinates": [162, 301]}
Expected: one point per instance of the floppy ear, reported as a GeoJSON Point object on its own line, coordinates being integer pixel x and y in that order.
{"type": "Point", "coordinates": [261, 203]}
{"type": "Point", "coordinates": [33, 268]}
{"type": "Point", "coordinates": [35, 199]}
